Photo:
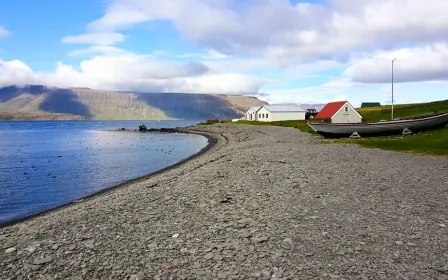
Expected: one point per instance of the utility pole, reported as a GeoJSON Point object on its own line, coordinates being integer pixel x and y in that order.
{"type": "Point", "coordinates": [393, 88]}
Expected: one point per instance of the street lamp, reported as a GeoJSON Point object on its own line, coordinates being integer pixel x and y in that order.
{"type": "Point", "coordinates": [393, 88]}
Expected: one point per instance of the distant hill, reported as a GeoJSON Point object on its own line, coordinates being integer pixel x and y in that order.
{"type": "Point", "coordinates": [402, 110]}
{"type": "Point", "coordinates": [40, 102]}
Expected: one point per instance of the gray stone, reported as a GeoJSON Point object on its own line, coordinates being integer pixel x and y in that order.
{"type": "Point", "coordinates": [31, 249]}
{"type": "Point", "coordinates": [260, 239]}
{"type": "Point", "coordinates": [33, 267]}
{"type": "Point", "coordinates": [89, 244]}
{"type": "Point", "coordinates": [10, 250]}
{"type": "Point", "coordinates": [138, 276]}
{"type": "Point", "coordinates": [287, 240]}
{"type": "Point", "coordinates": [245, 234]}
{"type": "Point", "coordinates": [39, 261]}
{"type": "Point", "coordinates": [350, 198]}
{"type": "Point", "coordinates": [141, 276]}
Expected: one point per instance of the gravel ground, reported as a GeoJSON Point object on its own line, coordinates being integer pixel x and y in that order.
{"type": "Point", "coordinates": [263, 203]}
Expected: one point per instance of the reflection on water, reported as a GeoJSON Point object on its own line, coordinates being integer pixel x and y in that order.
{"type": "Point", "coordinates": [46, 164]}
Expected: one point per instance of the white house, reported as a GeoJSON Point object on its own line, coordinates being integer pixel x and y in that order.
{"type": "Point", "coordinates": [339, 112]}
{"type": "Point", "coordinates": [251, 114]}
{"type": "Point", "coordinates": [270, 113]}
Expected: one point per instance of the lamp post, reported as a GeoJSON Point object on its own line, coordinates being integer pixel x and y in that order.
{"type": "Point", "coordinates": [393, 88]}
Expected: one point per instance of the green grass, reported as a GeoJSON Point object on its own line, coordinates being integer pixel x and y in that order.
{"type": "Point", "coordinates": [301, 125]}
{"type": "Point", "coordinates": [433, 142]}
{"type": "Point", "coordinates": [402, 110]}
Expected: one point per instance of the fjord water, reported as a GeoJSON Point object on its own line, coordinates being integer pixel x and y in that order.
{"type": "Point", "coordinates": [45, 164]}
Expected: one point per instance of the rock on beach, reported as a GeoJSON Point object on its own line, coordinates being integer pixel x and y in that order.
{"type": "Point", "coordinates": [263, 203]}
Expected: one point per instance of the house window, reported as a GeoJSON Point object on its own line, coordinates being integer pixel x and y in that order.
{"type": "Point", "coordinates": [262, 116]}
{"type": "Point", "coordinates": [346, 109]}
{"type": "Point", "coordinates": [259, 115]}
{"type": "Point", "coordinates": [266, 115]}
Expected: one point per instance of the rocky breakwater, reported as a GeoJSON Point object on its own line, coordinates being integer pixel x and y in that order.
{"type": "Point", "coordinates": [143, 128]}
{"type": "Point", "coordinates": [263, 203]}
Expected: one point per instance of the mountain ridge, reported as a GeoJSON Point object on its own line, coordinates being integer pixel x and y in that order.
{"type": "Point", "coordinates": [40, 102]}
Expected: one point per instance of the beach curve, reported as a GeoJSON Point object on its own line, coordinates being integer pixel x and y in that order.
{"type": "Point", "coordinates": [262, 203]}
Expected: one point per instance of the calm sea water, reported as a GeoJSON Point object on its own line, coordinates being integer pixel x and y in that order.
{"type": "Point", "coordinates": [47, 164]}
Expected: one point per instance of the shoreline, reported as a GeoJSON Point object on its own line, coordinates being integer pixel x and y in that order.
{"type": "Point", "coordinates": [264, 202]}
{"type": "Point", "coordinates": [212, 141]}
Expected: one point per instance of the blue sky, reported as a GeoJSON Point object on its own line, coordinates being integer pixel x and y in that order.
{"type": "Point", "coordinates": [279, 50]}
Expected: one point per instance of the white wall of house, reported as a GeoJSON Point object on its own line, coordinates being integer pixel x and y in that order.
{"type": "Point", "coordinates": [251, 115]}
{"type": "Point", "coordinates": [288, 116]}
{"type": "Point", "coordinates": [347, 114]}
{"type": "Point", "coordinates": [264, 115]}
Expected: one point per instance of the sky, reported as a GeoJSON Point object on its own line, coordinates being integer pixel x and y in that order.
{"type": "Point", "coordinates": [281, 51]}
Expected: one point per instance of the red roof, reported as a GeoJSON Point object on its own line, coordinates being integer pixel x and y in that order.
{"type": "Point", "coordinates": [330, 109]}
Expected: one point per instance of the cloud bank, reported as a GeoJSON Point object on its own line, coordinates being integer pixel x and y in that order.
{"type": "Point", "coordinates": [243, 41]}
{"type": "Point", "coordinates": [135, 73]}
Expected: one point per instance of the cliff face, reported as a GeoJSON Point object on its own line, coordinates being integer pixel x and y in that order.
{"type": "Point", "coordinates": [39, 102]}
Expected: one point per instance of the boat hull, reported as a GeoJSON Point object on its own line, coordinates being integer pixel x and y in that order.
{"type": "Point", "coordinates": [331, 130]}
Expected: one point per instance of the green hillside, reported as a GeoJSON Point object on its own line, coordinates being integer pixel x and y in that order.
{"type": "Point", "coordinates": [430, 142]}
{"type": "Point", "coordinates": [402, 110]}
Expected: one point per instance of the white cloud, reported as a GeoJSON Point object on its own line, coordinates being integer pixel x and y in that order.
{"type": "Point", "coordinates": [188, 55]}
{"type": "Point", "coordinates": [297, 71]}
{"type": "Point", "coordinates": [283, 35]}
{"type": "Point", "coordinates": [3, 32]}
{"type": "Point", "coordinates": [106, 38]}
{"type": "Point", "coordinates": [305, 95]}
{"type": "Point", "coordinates": [343, 83]}
{"type": "Point", "coordinates": [428, 63]}
{"type": "Point", "coordinates": [212, 54]}
{"type": "Point", "coordinates": [16, 72]}
{"type": "Point", "coordinates": [95, 50]}
{"type": "Point", "coordinates": [239, 65]}
{"type": "Point", "coordinates": [124, 14]}
{"type": "Point", "coordinates": [133, 72]}
{"type": "Point", "coordinates": [289, 33]}
{"type": "Point", "coordinates": [235, 37]}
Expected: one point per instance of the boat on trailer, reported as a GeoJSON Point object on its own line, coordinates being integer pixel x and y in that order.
{"type": "Point", "coordinates": [381, 128]}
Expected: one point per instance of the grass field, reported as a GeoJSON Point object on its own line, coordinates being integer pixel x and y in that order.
{"type": "Point", "coordinates": [431, 142]}
{"type": "Point", "coordinates": [402, 110]}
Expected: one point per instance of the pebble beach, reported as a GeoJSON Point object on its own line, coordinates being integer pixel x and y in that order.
{"type": "Point", "coordinates": [262, 202]}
